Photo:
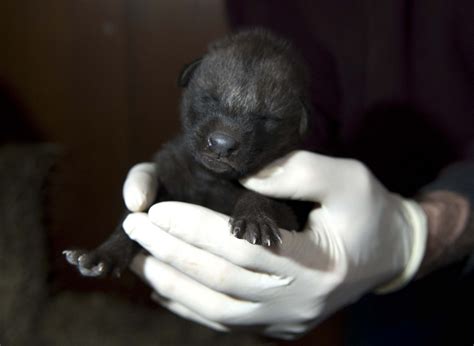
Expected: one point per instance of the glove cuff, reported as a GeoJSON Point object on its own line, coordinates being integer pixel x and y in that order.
{"type": "Point", "coordinates": [416, 218]}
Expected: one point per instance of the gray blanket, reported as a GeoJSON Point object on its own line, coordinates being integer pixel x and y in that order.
{"type": "Point", "coordinates": [29, 315]}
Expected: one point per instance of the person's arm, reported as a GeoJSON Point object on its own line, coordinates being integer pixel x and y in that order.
{"type": "Point", "coordinates": [448, 204]}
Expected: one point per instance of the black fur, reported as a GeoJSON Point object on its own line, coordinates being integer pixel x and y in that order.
{"type": "Point", "coordinates": [244, 104]}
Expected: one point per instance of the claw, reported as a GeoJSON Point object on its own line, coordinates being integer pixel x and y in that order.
{"type": "Point", "coordinates": [235, 230]}
{"type": "Point", "coordinates": [253, 238]}
{"type": "Point", "coordinates": [101, 267]}
{"type": "Point", "coordinates": [81, 258]}
{"type": "Point", "coordinates": [278, 236]}
{"type": "Point", "coordinates": [238, 228]}
{"type": "Point", "coordinates": [69, 254]}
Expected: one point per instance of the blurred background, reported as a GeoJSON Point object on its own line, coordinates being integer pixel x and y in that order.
{"type": "Point", "coordinates": [98, 78]}
{"type": "Point", "coordinates": [88, 88]}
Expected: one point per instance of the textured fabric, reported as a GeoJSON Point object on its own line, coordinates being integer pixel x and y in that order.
{"type": "Point", "coordinates": [23, 269]}
{"type": "Point", "coordinates": [458, 177]}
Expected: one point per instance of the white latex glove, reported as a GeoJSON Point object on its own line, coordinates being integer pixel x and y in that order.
{"type": "Point", "coordinates": [139, 190]}
{"type": "Point", "coordinates": [361, 237]}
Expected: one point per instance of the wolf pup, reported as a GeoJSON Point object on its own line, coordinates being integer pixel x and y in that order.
{"type": "Point", "coordinates": [244, 104]}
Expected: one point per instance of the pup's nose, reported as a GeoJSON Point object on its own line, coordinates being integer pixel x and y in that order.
{"type": "Point", "coordinates": [222, 144]}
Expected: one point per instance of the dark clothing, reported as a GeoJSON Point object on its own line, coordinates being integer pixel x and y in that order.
{"type": "Point", "coordinates": [392, 81]}
{"type": "Point", "coordinates": [393, 86]}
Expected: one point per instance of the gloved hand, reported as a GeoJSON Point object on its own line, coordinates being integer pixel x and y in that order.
{"type": "Point", "coordinates": [358, 237]}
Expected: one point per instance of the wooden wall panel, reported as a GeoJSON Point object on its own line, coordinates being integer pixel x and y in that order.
{"type": "Point", "coordinates": [98, 78]}
{"type": "Point", "coordinates": [164, 35]}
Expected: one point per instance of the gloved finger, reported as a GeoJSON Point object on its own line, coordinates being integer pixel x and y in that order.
{"type": "Point", "coordinates": [302, 175]}
{"type": "Point", "coordinates": [210, 231]}
{"type": "Point", "coordinates": [184, 312]}
{"type": "Point", "coordinates": [279, 331]}
{"type": "Point", "coordinates": [139, 189]}
{"type": "Point", "coordinates": [204, 267]}
{"type": "Point", "coordinates": [180, 288]}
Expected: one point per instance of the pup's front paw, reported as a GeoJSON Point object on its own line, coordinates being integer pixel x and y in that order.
{"type": "Point", "coordinates": [96, 263]}
{"type": "Point", "coordinates": [256, 228]}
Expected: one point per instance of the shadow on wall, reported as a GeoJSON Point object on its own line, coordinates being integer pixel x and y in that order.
{"type": "Point", "coordinates": [400, 146]}
{"type": "Point", "coordinates": [15, 124]}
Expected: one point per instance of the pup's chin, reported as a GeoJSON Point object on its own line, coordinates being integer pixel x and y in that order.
{"type": "Point", "coordinates": [220, 167]}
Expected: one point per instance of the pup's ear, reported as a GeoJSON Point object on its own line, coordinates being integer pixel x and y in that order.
{"type": "Point", "coordinates": [187, 73]}
{"type": "Point", "coordinates": [305, 113]}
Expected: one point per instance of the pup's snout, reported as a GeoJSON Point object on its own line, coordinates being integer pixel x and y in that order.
{"type": "Point", "coordinates": [222, 144]}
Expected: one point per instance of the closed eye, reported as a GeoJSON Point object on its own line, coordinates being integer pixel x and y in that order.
{"type": "Point", "coordinates": [268, 117]}
{"type": "Point", "coordinates": [209, 99]}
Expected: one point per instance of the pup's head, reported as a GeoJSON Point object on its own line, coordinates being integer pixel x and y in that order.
{"type": "Point", "coordinates": [244, 103]}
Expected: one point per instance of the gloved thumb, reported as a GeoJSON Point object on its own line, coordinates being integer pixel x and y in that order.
{"type": "Point", "coordinates": [139, 189]}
